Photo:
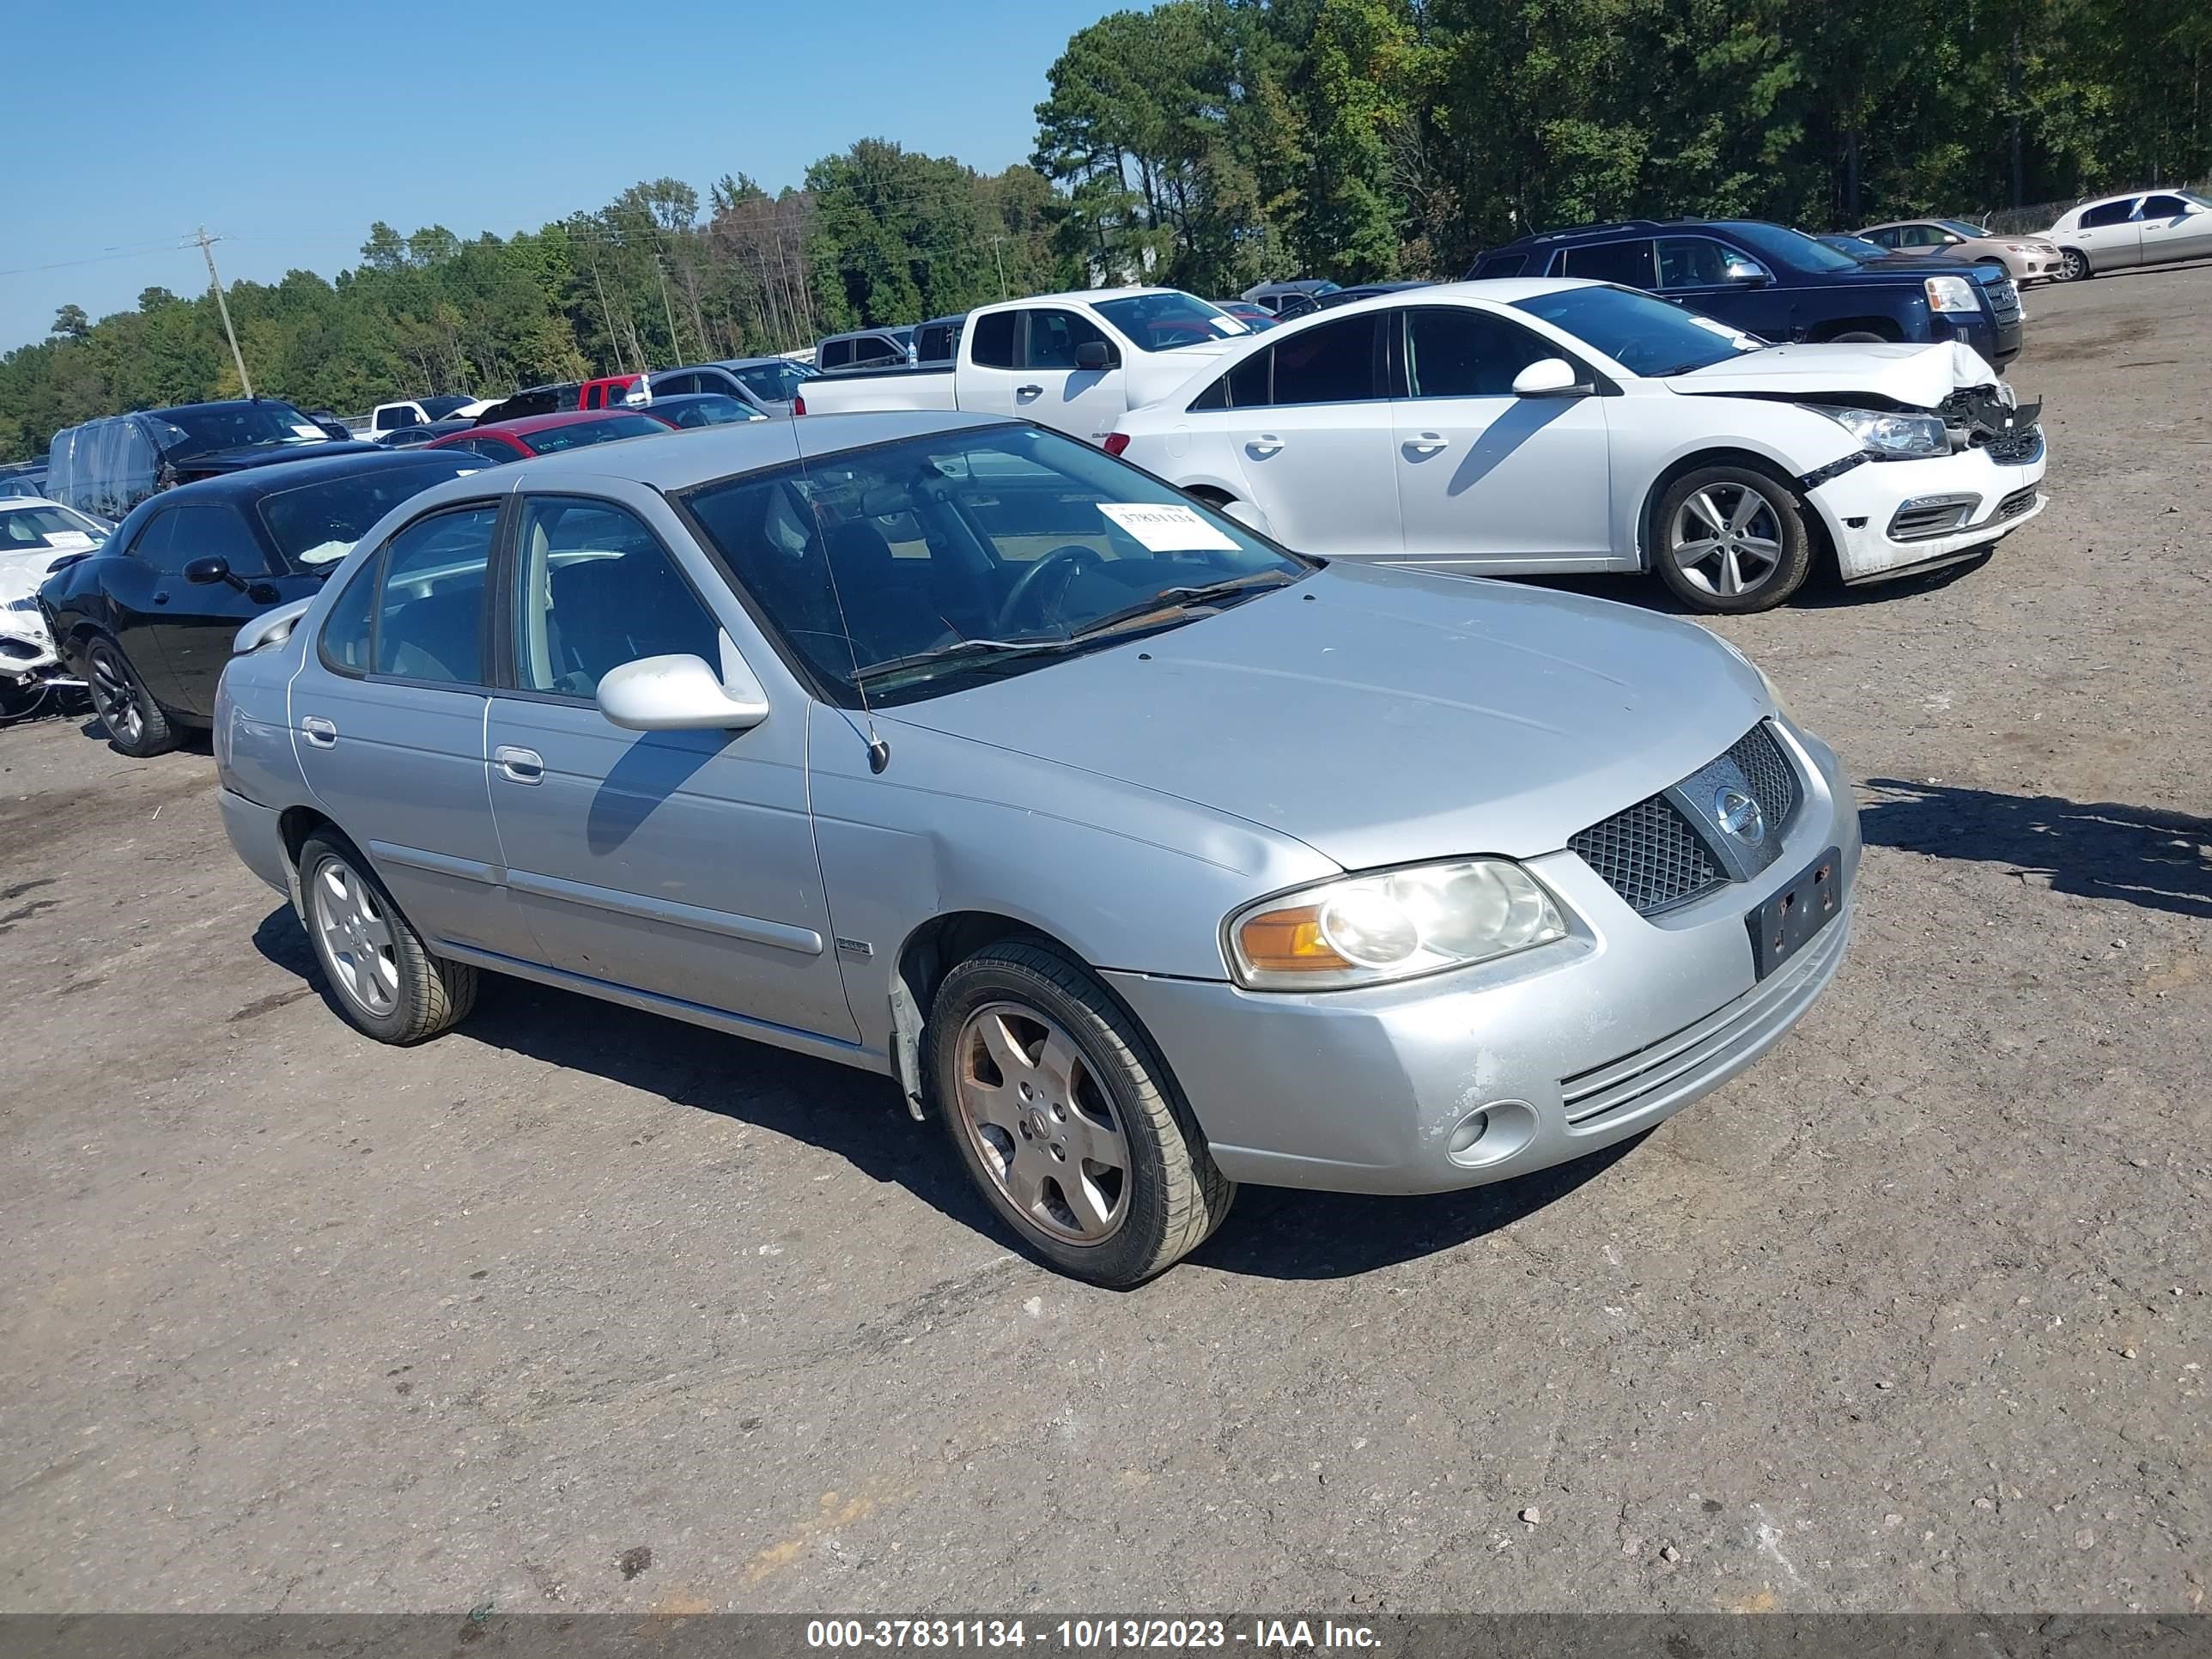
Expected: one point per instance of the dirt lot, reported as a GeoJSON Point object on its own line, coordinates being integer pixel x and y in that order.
{"type": "Point", "coordinates": [577, 1309]}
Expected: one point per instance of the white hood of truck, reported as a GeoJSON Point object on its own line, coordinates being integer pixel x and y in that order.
{"type": "Point", "coordinates": [1920, 375]}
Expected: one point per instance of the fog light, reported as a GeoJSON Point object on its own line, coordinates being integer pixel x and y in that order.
{"type": "Point", "coordinates": [1471, 1128]}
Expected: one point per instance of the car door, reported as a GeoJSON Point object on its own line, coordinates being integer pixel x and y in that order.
{"type": "Point", "coordinates": [1483, 476]}
{"type": "Point", "coordinates": [1308, 423]}
{"type": "Point", "coordinates": [1055, 389]}
{"type": "Point", "coordinates": [2172, 228]}
{"type": "Point", "coordinates": [195, 621]}
{"type": "Point", "coordinates": [387, 715]}
{"type": "Point", "coordinates": [680, 864]}
{"type": "Point", "coordinates": [2110, 235]}
{"type": "Point", "coordinates": [130, 578]}
{"type": "Point", "coordinates": [984, 379]}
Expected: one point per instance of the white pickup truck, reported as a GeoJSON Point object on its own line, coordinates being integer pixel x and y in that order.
{"type": "Point", "coordinates": [1076, 362]}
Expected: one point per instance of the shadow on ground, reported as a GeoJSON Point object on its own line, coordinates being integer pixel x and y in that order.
{"type": "Point", "coordinates": [1823, 589]}
{"type": "Point", "coordinates": [2158, 859]}
{"type": "Point", "coordinates": [861, 1118]}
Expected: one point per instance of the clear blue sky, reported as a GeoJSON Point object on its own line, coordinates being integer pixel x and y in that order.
{"type": "Point", "coordinates": [287, 128]}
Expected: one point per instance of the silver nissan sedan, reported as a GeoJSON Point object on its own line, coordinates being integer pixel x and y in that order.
{"type": "Point", "coordinates": [1146, 856]}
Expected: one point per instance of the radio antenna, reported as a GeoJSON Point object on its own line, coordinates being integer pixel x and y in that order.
{"type": "Point", "coordinates": [879, 749]}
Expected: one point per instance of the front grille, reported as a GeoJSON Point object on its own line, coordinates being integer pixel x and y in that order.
{"type": "Point", "coordinates": [1773, 779]}
{"type": "Point", "coordinates": [1649, 855]}
{"type": "Point", "coordinates": [2014, 504]}
{"type": "Point", "coordinates": [1930, 515]}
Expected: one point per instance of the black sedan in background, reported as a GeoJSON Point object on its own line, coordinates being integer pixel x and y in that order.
{"type": "Point", "coordinates": [148, 619]}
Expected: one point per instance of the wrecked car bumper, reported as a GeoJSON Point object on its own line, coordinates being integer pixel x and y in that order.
{"type": "Point", "coordinates": [1890, 519]}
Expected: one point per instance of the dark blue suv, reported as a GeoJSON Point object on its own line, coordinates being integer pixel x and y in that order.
{"type": "Point", "coordinates": [1777, 283]}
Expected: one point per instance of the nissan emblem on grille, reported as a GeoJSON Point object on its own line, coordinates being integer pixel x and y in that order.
{"type": "Point", "coordinates": [1738, 814]}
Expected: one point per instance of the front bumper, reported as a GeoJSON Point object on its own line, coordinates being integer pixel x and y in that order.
{"type": "Point", "coordinates": [1568, 1048]}
{"type": "Point", "coordinates": [1861, 507]}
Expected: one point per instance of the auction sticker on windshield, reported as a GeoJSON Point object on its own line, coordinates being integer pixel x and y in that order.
{"type": "Point", "coordinates": [1168, 528]}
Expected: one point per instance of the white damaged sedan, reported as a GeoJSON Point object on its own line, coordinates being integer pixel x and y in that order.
{"type": "Point", "coordinates": [1531, 426]}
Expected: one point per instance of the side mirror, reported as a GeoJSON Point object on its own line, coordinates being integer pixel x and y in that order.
{"type": "Point", "coordinates": [213, 568]}
{"type": "Point", "coordinates": [1550, 377]}
{"type": "Point", "coordinates": [1745, 274]}
{"type": "Point", "coordinates": [1094, 354]}
{"type": "Point", "coordinates": [677, 694]}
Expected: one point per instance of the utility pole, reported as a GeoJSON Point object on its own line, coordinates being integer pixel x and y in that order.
{"type": "Point", "coordinates": [206, 250]}
{"type": "Point", "coordinates": [1001, 264]}
{"type": "Point", "coordinates": [674, 345]}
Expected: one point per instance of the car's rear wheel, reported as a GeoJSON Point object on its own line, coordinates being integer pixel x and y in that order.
{"type": "Point", "coordinates": [2074, 266]}
{"type": "Point", "coordinates": [134, 722]}
{"type": "Point", "coordinates": [1066, 1118]}
{"type": "Point", "coordinates": [1730, 538]}
{"type": "Point", "coordinates": [385, 982]}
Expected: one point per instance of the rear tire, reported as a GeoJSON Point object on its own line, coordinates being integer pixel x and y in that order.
{"type": "Point", "coordinates": [383, 979]}
{"type": "Point", "coordinates": [135, 724]}
{"type": "Point", "coordinates": [1730, 539]}
{"type": "Point", "coordinates": [1066, 1118]}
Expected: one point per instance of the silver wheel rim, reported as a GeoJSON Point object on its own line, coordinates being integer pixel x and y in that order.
{"type": "Point", "coordinates": [2075, 266]}
{"type": "Point", "coordinates": [1042, 1125]}
{"type": "Point", "coordinates": [118, 701]}
{"type": "Point", "coordinates": [1725, 539]}
{"type": "Point", "coordinates": [357, 937]}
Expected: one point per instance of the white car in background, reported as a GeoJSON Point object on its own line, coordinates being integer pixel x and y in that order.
{"type": "Point", "coordinates": [35, 536]}
{"type": "Point", "coordinates": [2143, 227]}
{"type": "Point", "coordinates": [1523, 426]}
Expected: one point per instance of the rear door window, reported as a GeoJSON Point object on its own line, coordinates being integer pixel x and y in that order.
{"type": "Point", "coordinates": [430, 613]}
{"type": "Point", "coordinates": [2111, 213]}
{"type": "Point", "coordinates": [992, 341]}
{"type": "Point", "coordinates": [1628, 263]}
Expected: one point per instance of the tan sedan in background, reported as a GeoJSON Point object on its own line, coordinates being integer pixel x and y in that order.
{"type": "Point", "coordinates": [2028, 258]}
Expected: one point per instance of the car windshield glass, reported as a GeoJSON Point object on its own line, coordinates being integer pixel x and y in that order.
{"type": "Point", "coordinates": [316, 524]}
{"type": "Point", "coordinates": [1790, 247]}
{"type": "Point", "coordinates": [709, 409]}
{"type": "Point", "coordinates": [772, 383]}
{"type": "Point", "coordinates": [1645, 336]}
{"type": "Point", "coordinates": [45, 527]}
{"type": "Point", "coordinates": [1157, 322]}
{"type": "Point", "coordinates": [1857, 246]}
{"type": "Point", "coordinates": [917, 567]}
{"type": "Point", "coordinates": [228, 426]}
{"type": "Point", "coordinates": [580, 432]}
{"type": "Point", "coordinates": [2193, 198]}
{"type": "Point", "coordinates": [438, 408]}
{"type": "Point", "coordinates": [1960, 227]}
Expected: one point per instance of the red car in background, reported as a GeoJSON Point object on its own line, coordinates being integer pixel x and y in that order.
{"type": "Point", "coordinates": [548, 435]}
{"type": "Point", "coordinates": [606, 393]}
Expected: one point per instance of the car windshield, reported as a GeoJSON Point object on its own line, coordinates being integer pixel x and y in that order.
{"type": "Point", "coordinates": [231, 426]}
{"type": "Point", "coordinates": [1960, 227]}
{"type": "Point", "coordinates": [316, 524]}
{"type": "Point", "coordinates": [1159, 322]}
{"type": "Point", "coordinates": [772, 383]}
{"type": "Point", "coordinates": [914, 568]}
{"type": "Point", "coordinates": [1857, 246]}
{"type": "Point", "coordinates": [1789, 247]}
{"type": "Point", "coordinates": [707, 408]}
{"type": "Point", "coordinates": [438, 408]}
{"type": "Point", "coordinates": [45, 526]}
{"type": "Point", "coordinates": [1646, 336]}
{"type": "Point", "coordinates": [577, 433]}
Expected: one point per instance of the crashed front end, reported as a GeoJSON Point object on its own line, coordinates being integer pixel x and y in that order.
{"type": "Point", "coordinates": [28, 658]}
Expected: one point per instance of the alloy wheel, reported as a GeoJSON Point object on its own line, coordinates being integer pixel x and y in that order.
{"type": "Point", "coordinates": [2075, 266]}
{"type": "Point", "coordinates": [1725, 539]}
{"type": "Point", "coordinates": [116, 696]}
{"type": "Point", "coordinates": [357, 937]}
{"type": "Point", "coordinates": [1042, 1124]}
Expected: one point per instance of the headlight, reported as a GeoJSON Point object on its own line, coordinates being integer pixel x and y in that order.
{"type": "Point", "coordinates": [1892, 436]}
{"type": "Point", "coordinates": [1951, 293]}
{"type": "Point", "coordinates": [1395, 924]}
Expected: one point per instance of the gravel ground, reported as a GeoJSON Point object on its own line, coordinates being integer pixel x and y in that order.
{"type": "Point", "coordinates": [577, 1309]}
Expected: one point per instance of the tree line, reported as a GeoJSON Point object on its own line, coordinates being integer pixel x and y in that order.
{"type": "Point", "coordinates": [1210, 144]}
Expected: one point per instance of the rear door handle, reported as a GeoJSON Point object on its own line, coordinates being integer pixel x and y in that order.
{"type": "Point", "coordinates": [519, 765]}
{"type": "Point", "coordinates": [1028, 392]}
{"type": "Point", "coordinates": [1264, 445]}
{"type": "Point", "coordinates": [323, 733]}
{"type": "Point", "coordinates": [1428, 443]}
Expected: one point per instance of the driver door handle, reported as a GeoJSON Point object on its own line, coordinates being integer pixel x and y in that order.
{"type": "Point", "coordinates": [519, 765]}
{"type": "Point", "coordinates": [1028, 392]}
{"type": "Point", "coordinates": [1264, 445]}
{"type": "Point", "coordinates": [1428, 443]}
{"type": "Point", "coordinates": [323, 733]}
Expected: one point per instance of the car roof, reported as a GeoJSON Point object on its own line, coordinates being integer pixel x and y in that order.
{"type": "Point", "coordinates": [255, 481]}
{"type": "Point", "coordinates": [218, 403]}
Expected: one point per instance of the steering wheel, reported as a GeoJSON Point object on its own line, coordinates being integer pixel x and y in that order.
{"type": "Point", "coordinates": [1070, 558]}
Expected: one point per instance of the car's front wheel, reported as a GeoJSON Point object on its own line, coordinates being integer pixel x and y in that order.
{"type": "Point", "coordinates": [1066, 1118]}
{"type": "Point", "coordinates": [2074, 266]}
{"type": "Point", "coordinates": [1730, 538]}
{"type": "Point", "coordinates": [134, 722]}
{"type": "Point", "coordinates": [383, 978]}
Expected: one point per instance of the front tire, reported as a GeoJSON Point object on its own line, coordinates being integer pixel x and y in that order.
{"type": "Point", "coordinates": [135, 724]}
{"type": "Point", "coordinates": [1066, 1118]}
{"type": "Point", "coordinates": [2074, 267]}
{"type": "Point", "coordinates": [384, 979]}
{"type": "Point", "coordinates": [1730, 539]}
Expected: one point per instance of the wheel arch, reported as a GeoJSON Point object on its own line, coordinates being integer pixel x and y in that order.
{"type": "Point", "coordinates": [1884, 327]}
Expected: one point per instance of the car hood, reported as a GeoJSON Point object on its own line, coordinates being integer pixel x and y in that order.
{"type": "Point", "coordinates": [1381, 716]}
{"type": "Point", "coordinates": [1920, 375]}
{"type": "Point", "coordinates": [21, 574]}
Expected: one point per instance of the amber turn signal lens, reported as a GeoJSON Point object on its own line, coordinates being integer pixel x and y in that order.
{"type": "Point", "coordinates": [1289, 942]}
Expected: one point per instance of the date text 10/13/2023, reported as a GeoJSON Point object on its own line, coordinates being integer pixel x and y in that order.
{"type": "Point", "coordinates": [1093, 1635]}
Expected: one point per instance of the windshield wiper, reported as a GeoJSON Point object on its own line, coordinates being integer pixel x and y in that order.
{"type": "Point", "coordinates": [1182, 598]}
{"type": "Point", "coordinates": [959, 649]}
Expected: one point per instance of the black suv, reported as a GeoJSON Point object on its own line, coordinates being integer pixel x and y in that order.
{"type": "Point", "coordinates": [1779, 284]}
